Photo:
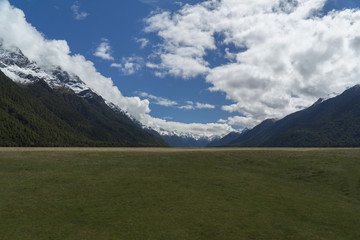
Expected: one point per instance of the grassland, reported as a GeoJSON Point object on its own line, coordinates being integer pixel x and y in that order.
{"type": "Point", "coordinates": [179, 194]}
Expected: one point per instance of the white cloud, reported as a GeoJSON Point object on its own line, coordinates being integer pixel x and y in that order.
{"type": "Point", "coordinates": [204, 106]}
{"type": "Point", "coordinates": [79, 15]}
{"type": "Point", "coordinates": [242, 121]}
{"type": "Point", "coordinates": [284, 54]}
{"type": "Point", "coordinates": [104, 50]}
{"type": "Point", "coordinates": [196, 129]}
{"type": "Point", "coordinates": [51, 53]}
{"type": "Point", "coordinates": [158, 100]}
{"type": "Point", "coordinates": [143, 42]}
{"type": "Point", "coordinates": [189, 105]}
{"type": "Point", "coordinates": [184, 45]}
{"type": "Point", "coordinates": [178, 3]}
{"type": "Point", "coordinates": [129, 65]}
{"type": "Point", "coordinates": [192, 106]}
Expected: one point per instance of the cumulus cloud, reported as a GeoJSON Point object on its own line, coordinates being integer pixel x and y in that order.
{"type": "Point", "coordinates": [158, 100]}
{"type": "Point", "coordinates": [78, 15]}
{"type": "Point", "coordinates": [129, 65]}
{"type": "Point", "coordinates": [184, 45]}
{"type": "Point", "coordinates": [241, 121]}
{"type": "Point", "coordinates": [279, 55]}
{"type": "Point", "coordinates": [104, 50]}
{"type": "Point", "coordinates": [51, 53]}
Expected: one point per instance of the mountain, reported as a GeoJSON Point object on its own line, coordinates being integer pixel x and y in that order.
{"type": "Point", "coordinates": [226, 139]}
{"type": "Point", "coordinates": [19, 68]}
{"type": "Point", "coordinates": [249, 136]}
{"type": "Point", "coordinates": [185, 142]}
{"type": "Point", "coordinates": [181, 141]}
{"type": "Point", "coordinates": [54, 108]}
{"type": "Point", "coordinates": [334, 122]}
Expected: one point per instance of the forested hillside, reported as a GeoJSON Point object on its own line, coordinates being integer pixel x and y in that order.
{"type": "Point", "coordinates": [331, 123]}
{"type": "Point", "coordinates": [36, 115]}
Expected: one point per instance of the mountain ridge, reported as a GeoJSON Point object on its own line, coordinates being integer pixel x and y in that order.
{"type": "Point", "coordinates": [334, 122]}
{"type": "Point", "coordinates": [328, 122]}
{"type": "Point", "coordinates": [19, 68]}
{"type": "Point", "coordinates": [34, 114]}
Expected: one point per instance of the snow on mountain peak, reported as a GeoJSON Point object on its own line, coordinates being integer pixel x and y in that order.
{"type": "Point", "coordinates": [18, 67]}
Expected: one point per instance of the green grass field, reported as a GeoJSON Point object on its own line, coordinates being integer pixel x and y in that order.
{"type": "Point", "coordinates": [175, 194]}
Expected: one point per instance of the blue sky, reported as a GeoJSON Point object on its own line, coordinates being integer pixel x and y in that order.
{"type": "Point", "coordinates": [121, 23]}
{"type": "Point", "coordinates": [227, 77]}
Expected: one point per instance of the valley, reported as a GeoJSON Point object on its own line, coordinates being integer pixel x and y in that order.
{"type": "Point", "coordinates": [167, 193]}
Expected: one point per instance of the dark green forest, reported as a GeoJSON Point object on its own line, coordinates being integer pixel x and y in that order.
{"type": "Point", "coordinates": [35, 115]}
{"type": "Point", "coordinates": [331, 123]}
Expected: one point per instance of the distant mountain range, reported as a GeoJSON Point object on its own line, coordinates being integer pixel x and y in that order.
{"type": "Point", "coordinates": [226, 140]}
{"type": "Point", "coordinates": [185, 142]}
{"type": "Point", "coordinates": [58, 91]}
{"type": "Point", "coordinates": [182, 141]}
{"type": "Point", "coordinates": [51, 107]}
{"type": "Point", "coordinates": [334, 122]}
{"type": "Point", "coordinates": [55, 108]}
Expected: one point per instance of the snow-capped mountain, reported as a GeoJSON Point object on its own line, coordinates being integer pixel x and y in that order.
{"type": "Point", "coordinates": [15, 65]}
{"type": "Point", "coordinates": [56, 108]}
{"type": "Point", "coordinates": [185, 135]}
{"type": "Point", "coordinates": [19, 68]}
{"type": "Point", "coordinates": [179, 139]}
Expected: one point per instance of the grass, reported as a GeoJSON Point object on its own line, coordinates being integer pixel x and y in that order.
{"type": "Point", "coordinates": [179, 194]}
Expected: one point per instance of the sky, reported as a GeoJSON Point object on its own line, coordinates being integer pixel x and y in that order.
{"type": "Point", "coordinates": [199, 67]}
